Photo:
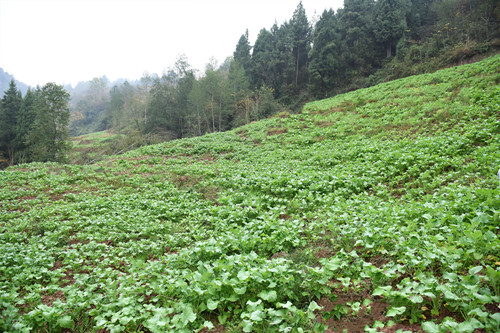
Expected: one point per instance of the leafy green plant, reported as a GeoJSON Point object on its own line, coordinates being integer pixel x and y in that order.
{"type": "Point", "coordinates": [394, 204]}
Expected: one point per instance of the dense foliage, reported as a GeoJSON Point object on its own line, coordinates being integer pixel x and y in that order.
{"type": "Point", "coordinates": [379, 208]}
{"type": "Point", "coordinates": [34, 128]}
{"type": "Point", "coordinates": [364, 43]}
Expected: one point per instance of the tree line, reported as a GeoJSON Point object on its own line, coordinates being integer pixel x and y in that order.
{"type": "Point", "coordinates": [364, 43]}
{"type": "Point", "coordinates": [34, 127]}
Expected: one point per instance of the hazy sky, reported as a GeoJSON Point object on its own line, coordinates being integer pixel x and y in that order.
{"type": "Point", "coordinates": [66, 41]}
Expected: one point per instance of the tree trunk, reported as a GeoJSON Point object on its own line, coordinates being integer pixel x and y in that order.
{"type": "Point", "coordinates": [220, 112]}
{"type": "Point", "coordinates": [213, 117]}
{"type": "Point", "coordinates": [11, 153]}
{"type": "Point", "coordinates": [297, 69]}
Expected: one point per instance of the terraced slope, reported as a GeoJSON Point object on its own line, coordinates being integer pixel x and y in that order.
{"type": "Point", "coordinates": [375, 211]}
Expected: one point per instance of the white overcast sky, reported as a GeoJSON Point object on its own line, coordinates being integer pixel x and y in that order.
{"type": "Point", "coordinates": [66, 41]}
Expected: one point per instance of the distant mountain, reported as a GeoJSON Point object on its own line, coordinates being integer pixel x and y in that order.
{"type": "Point", "coordinates": [5, 79]}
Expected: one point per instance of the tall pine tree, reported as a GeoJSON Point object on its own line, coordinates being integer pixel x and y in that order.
{"type": "Point", "coordinates": [301, 41]}
{"type": "Point", "coordinates": [9, 113]}
{"type": "Point", "coordinates": [242, 53]}
{"type": "Point", "coordinates": [359, 50]}
{"type": "Point", "coordinates": [25, 125]}
{"type": "Point", "coordinates": [49, 137]}
{"type": "Point", "coordinates": [325, 63]}
{"type": "Point", "coordinates": [390, 22]}
{"type": "Point", "coordinates": [262, 59]}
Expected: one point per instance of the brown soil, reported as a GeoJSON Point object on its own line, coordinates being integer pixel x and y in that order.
{"type": "Point", "coordinates": [276, 131]}
{"type": "Point", "coordinates": [353, 323]}
{"type": "Point", "coordinates": [50, 299]}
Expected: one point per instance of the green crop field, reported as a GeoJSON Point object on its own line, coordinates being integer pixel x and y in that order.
{"type": "Point", "coordinates": [93, 147]}
{"type": "Point", "coordinates": [374, 211]}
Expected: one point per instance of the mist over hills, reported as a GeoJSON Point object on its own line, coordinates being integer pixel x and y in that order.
{"type": "Point", "coordinates": [79, 88]}
{"type": "Point", "coordinates": [5, 79]}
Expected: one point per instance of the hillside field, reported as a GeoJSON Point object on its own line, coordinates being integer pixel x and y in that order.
{"type": "Point", "coordinates": [373, 211]}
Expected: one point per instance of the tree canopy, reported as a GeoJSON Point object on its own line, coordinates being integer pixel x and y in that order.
{"type": "Point", "coordinates": [35, 128]}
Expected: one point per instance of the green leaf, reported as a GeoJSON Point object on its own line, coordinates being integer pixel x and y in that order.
{"type": "Point", "coordinates": [310, 310]}
{"type": "Point", "coordinates": [478, 312]}
{"type": "Point", "coordinates": [243, 275]}
{"type": "Point", "coordinates": [496, 317]}
{"type": "Point", "coordinates": [333, 264]}
{"type": "Point", "coordinates": [208, 324]}
{"type": "Point", "coordinates": [125, 320]}
{"type": "Point", "coordinates": [416, 299]}
{"type": "Point", "coordinates": [381, 290]}
{"type": "Point", "coordinates": [65, 322]}
{"type": "Point", "coordinates": [396, 311]}
{"type": "Point", "coordinates": [483, 298]}
{"type": "Point", "coordinates": [223, 317]}
{"type": "Point", "coordinates": [212, 305]}
{"type": "Point", "coordinates": [448, 293]}
{"type": "Point", "coordinates": [313, 306]}
{"type": "Point", "coordinates": [269, 295]}
{"type": "Point", "coordinates": [240, 291]}
{"type": "Point", "coordinates": [469, 325]}
{"type": "Point", "coordinates": [247, 326]}
{"type": "Point", "coordinates": [475, 270]}
{"type": "Point", "coordinates": [253, 305]}
{"type": "Point", "coordinates": [257, 315]}
{"type": "Point", "coordinates": [430, 327]}
{"type": "Point", "coordinates": [188, 316]}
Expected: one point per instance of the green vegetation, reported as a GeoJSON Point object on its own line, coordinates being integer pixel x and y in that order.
{"type": "Point", "coordinates": [378, 208]}
{"type": "Point", "coordinates": [34, 128]}
{"type": "Point", "coordinates": [362, 44]}
{"type": "Point", "coordinates": [94, 147]}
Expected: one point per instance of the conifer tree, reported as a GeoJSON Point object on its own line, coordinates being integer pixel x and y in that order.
{"type": "Point", "coordinates": [25, 125]}
{"type": "Point", "coordinates": [390, 22]}
{"type": "Point", "coordinates": [325, 63]}
{"type": "Point", "coordinates": [9, 113]}
{"type": "Point", "coordinates": [301, 42]}
{"type": "Point", "coordinates": [49, 137]}
{"type": "Point", "coordinates": [262, 59]}
{"type": "Point", "coordinates": [359, 51]}
{"type": "Point", "coordinates": [242, 53]}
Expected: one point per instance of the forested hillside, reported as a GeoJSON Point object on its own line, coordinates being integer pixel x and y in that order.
{"type": "Point", "coordinates": [306, 57]}
{"type": "Point", "coordinates": [377, 211]}
{"type": "Point", "coordinates": [364, 43]}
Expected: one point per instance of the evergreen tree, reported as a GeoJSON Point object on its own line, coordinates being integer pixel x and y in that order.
{"type": "Point", "coordinates": [283, 63]}
{"type": "Point", "coordinates": [242, 52]}
{"type": "Point", "coordinates": [301, 41]}
{"type": "Point", "coordinates": [262, 59]}
{"type": "Point", "coordinates": [325, 63]}
{"type": "Point", "coordinates": [419, 19]}
{"type": "Point", "coordinates": [390, 22]}
{"type": "Point", "coordinates": [9, 114]}
{"type": "Point", "coordinates": [25, 125]}
{"type": "Point", "coordinates": [49, 137]}
{"type": "Point", "coordinates": [359, 49]}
